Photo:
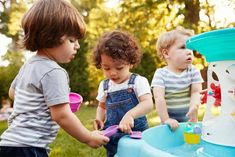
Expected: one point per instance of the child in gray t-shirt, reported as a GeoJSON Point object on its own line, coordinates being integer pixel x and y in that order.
{"type": "Point", "coordinates": [41, 88]}
{"type": "Point", "coordinates": [177, 86]}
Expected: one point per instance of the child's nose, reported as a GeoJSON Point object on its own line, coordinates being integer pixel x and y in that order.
{"type": "Point", "coordinates": [189, 52]}
{"type": "Point", "coordinates": [77, 45]}
{"type": "Point", "coordinates": [113, 73]}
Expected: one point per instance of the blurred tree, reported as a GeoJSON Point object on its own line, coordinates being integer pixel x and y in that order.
{"type": "Point", "coordinates": [78, 73]}
{"type": "Point", "coordinates": [7, 74]}
{"type": "Point", "coordinates": [78, 69]}
{"type": "Point", "coordinates": [145, 19]}
{"type": "Point", "coordinates": [11, 12]}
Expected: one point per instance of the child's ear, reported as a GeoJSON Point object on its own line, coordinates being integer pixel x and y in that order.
{"type": "Point", "coordinates": [165, 53]}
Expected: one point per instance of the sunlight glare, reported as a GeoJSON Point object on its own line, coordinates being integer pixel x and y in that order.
{"type": "Point", "coordinates": [223, 12]}
{"type": "Point", "coordinates": [111, 3]}
{"type": "Point", "coordinates": [5, 41]}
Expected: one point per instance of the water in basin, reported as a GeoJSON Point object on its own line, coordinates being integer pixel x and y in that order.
{"type": "Point", "coordinates": [160, 141]}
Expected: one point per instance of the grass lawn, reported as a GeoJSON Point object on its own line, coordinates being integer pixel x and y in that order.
{"type": "Point", "coordinates": [66, 146]}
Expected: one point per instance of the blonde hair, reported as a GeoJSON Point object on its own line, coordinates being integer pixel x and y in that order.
{"type": "Point", "coordinates": [167, 39]}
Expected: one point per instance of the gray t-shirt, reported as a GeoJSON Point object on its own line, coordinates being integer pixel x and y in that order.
{"type": "Point", "coordinates": [40, 83]}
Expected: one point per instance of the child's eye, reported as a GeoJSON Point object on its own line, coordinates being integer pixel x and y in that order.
{"type": "Point", "coordinates": [119, 68]}
{"type": "Point", "coordinates": [106, 69]}
{"type": "Point", "coordinates": [183, 47]}
{"type": "Point", "coordinates": [72, 40]}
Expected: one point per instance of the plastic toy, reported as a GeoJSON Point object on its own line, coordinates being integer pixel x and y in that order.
{"type": "Point", "coordinates": [110, 130]}
{"type": "Point", "coordinates": [75, 101]}
{"type": "Point", "coordinates": [217, 137]}
{"type": "Point", "coordinates": [216, 93]}
{"type": "Point", "coordinates": [136, 134]}
{"type": "Point", "coordinates": [219, 50]}
{"type": "Point", "coordinates": [192, 133]}
{"type": "Point", "coordinates": [114, 129]}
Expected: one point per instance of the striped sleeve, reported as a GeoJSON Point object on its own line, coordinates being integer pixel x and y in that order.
{"type": "Point", "coordinates": [55, 85]}
{"type": "Point", "coordinates": [196, 75]}
{"type": "Point", "coordinates": [158, 79]}
{"type": "Point", "coordinates": [14, 82]}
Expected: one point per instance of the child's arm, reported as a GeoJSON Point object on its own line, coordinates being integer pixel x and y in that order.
{"type": "Point", "coordinates": [160, 102]}
{"type": "Point", "coordinates": [72, 125]}
{"type": "Point", "coordinates": [145, 106]}
{"type": "Point", "coordinates": [195, 101]}
{"type": "Point", "coordinates": [11, 93]}
{"type": "Point", "coordinates": [100, 116]}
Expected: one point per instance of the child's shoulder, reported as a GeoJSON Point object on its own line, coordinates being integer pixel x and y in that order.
{"type": "Point", "coordinates": [138, 76]}
{"type": "Point", "coordinates": [162, 71]}
{"type": "Point", "coordinates": [140, 79]}
{"type": "Point", "coordinates": [43, 61]}
{"type": "Point", "coordinates": [45, 64]}
{"type": "Point", "coordinates": [192, 68]}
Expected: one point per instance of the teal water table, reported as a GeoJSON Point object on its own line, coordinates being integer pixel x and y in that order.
{"type": "Point", "coordinates": [218, 129]}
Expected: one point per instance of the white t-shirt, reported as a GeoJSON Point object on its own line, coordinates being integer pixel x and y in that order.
{"type": "Point", "coordinates": [140, 87]}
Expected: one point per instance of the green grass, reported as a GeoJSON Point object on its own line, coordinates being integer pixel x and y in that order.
{"type": "Point", "coordinates": [66, 146]}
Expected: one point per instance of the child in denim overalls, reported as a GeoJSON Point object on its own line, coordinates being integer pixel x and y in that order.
{"type": "Point", "coordinates": [124, 98]}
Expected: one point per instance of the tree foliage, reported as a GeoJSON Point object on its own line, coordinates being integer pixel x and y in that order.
{"type": "Point", "coordinates": [145, 19]}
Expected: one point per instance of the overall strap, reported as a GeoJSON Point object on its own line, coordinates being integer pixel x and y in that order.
{"type": "Point", "coordinates": [132, 79]}
{"type": "Point", "coordinates": [106, 84]}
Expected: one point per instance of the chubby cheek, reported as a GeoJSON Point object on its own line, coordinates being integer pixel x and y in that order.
{"type": "Point", "coordinates": [66, 58]}
{"type": "Point", "coordinates": [106, 74]}
{"type": "Point", "coordinates": [68, 55]}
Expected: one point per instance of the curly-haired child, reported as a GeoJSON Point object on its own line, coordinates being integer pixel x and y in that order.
{"type": "Point", "coordinates": [124, 97]}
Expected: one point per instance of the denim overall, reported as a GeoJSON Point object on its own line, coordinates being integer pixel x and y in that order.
{"type": "Point", "coordinates": [179, 114]}
{"type": "Point", "coordinates": [118, 103]}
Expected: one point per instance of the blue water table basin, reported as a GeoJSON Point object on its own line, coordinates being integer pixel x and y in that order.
{"type": "Point", "coordinates": [218, 130]}
{"type": "Point", "coordinates": [216, 45]}
{"type": "Point", "coordinates": [160, 141]}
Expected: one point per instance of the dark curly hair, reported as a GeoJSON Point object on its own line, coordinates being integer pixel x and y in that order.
{"type": "Point", "coordinates": [119, 45]}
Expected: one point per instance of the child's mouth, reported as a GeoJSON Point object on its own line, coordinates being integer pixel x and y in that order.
{"type": "Point", "coordinates": [114, 79]}
{"type": "Point", "coordinates": [189, 59]}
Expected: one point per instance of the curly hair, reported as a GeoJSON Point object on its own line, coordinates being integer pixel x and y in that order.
{"type": "Point", "coordinates": [118, 45]}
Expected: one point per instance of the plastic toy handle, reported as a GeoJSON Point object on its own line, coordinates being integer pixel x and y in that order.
{"type": "Point", "coordinates": [110, 130]}
{"type": "Point", "coordinates": [136, 134]}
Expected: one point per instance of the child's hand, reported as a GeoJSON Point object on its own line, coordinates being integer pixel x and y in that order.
{"type": "Point", "coordinates": [174, 124]}
{"type": "Point", "coordinates": [97, 139]}
{"type": "Point", "coordinates": [192, 113]}
{"type": "Point", "coordinates": [98, 124]}
{"type": "Point", "coordinates": [126, 123]}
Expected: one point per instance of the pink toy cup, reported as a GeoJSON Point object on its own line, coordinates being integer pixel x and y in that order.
{"type": "Point", "coordinates": [75, 101]}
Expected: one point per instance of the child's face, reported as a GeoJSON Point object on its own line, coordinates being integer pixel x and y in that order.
{"type": "Point", "coordinates": [65, 52]}
{"type": "Point", "coordinates": [177, 55]}
{"type": "Point", "coordinates": [115, 70]}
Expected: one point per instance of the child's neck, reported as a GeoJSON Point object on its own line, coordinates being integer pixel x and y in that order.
{"type": "Point", "coordinates": [45, 53]}
{"type": "Point", "coordinates": [124, 80]}
{"type": "Point", "coordinates": [175, 70]}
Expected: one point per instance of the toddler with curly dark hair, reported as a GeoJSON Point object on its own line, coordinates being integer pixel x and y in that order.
{"type": "Point", "coordinates": [124, 97]}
